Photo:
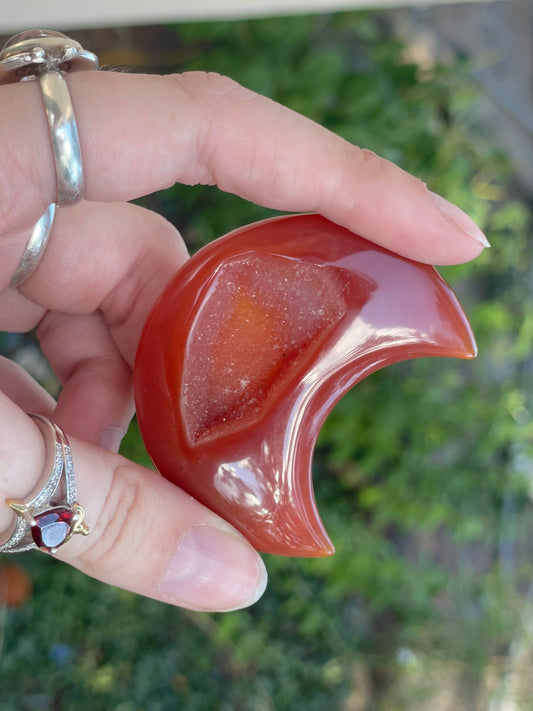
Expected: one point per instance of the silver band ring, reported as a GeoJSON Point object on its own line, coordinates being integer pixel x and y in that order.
{"type": "Point", "coordinates": [48, 56]}
{"type": "Point", "coordinates": [65, 140]}
{"type": "Point", "coordinates": [53, 515]}
{"type": "Point", "coordinates": [35, 247]}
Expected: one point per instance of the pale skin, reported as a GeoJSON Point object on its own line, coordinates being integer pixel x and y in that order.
{"type": "Point", "coordinates": [107, 261]}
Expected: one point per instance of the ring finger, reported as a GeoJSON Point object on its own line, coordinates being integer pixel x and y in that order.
{"type": "Point", "coordinates": [114, 257]}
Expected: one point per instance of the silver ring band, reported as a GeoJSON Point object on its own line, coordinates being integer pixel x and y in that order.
{"type": "Point", "coordinates": [49, 56]}
{"type": "Point", "coordinates": [53, 515]}
{"type": "Point", "coordinates": [35, 247]}
{"type": "Point", "coordinates": [65, 139]}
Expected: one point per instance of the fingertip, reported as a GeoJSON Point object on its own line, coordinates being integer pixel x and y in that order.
{"type": "Point", "coordinates": [389, 206]}
{"type": "Point", "coordinates": [461, 221]}
{"type": "Point", "coordinates": [214, 570]}
{"type": "Point", "coordinates": [110, 438]}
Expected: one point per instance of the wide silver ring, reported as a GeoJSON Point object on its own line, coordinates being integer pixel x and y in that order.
{"type": "Point", "coordinates": [51, 516]}
{"type": "Point", "coordinates": [48, 56]}
{"type": "Point", "coordinates": [65, 139]}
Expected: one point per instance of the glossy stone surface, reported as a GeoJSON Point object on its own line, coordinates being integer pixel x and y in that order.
{"type": "Point", "coordinates": [52, 528]}
{"type": "Point", "coordinates": [251, 345]}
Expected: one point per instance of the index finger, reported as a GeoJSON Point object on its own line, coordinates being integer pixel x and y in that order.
{"type": "Point", "coordinates": [143, 133]}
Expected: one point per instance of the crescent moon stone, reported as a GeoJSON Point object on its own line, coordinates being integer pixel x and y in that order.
{"type": "Point", "coordinates": [250, 346]}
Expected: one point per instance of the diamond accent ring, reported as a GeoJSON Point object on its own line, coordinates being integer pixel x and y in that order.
{"type": "Point", "coordinates": [50, 517]}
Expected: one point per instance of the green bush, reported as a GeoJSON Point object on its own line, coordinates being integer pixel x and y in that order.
{"type": "Point", "coordinates": [422, 472]}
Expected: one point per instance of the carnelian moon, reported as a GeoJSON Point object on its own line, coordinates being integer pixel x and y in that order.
{"type": "Point", "coordinates": [250, 346]}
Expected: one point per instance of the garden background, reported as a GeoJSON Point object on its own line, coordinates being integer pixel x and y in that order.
{"type": "Point", "coordinates": [423, 473]}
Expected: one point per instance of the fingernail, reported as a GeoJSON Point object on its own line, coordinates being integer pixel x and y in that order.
{"type": "Point", "coordinates": [214, 570]}
{"type": "Point", "coordinates": [460, 219]}
{"type": "Point", "coordinates": [110, 438]}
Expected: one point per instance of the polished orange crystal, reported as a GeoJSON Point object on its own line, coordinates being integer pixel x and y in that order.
{"type": "Point", "coordinates": [251, 345]}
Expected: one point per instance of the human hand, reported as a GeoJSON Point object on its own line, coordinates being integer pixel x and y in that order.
{"type": "Point", "coordinates": [107, 261]}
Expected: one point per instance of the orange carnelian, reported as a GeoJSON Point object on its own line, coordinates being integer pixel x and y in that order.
{"type": "Point", "coordinates": [250, 346]}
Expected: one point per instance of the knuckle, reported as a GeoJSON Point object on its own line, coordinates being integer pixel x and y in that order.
{"type": "Point", "coordinates": [217, 102]}
{"type": "Point", "coordinates": [209, 84]}
{"type": "Point", "coordinates": [382, 169]}
{"type": "Point", "coordinates": [158, 252]}
{"type": "Point", "coordinates": [116, 538]}
{"type": "Point", "coordinates": [368, 159]}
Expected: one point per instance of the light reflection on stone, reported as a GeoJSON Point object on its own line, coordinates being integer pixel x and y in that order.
{"type": "Point", "coordinates": [244, 484]}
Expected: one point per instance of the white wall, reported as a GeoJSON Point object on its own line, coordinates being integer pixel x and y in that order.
{"type": "Point", "coordinates": [17, 15]}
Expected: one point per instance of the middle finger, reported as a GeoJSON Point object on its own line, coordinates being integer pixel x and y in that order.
{"type": "Point", "coordinates": [111, 257]}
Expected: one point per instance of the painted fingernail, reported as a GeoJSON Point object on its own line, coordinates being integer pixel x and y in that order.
{"type": "Point", "coordinates": [214, 570]}
{"type": "Point", "coordinates": [110, 438]}
{"type": "Point", "coordinates": [460, 219]}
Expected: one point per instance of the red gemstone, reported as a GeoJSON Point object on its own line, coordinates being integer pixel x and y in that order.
{"type": "Point", "coordinates": [52, 527]}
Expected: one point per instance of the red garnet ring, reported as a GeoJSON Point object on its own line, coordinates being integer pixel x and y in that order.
{"type": "Point", "coordinates": [51, 517]}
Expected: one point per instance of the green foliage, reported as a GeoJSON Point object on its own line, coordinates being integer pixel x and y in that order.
{"type": "Point", "coordinates": [423, 472]}
{"type": "Point", "coordinates": [346, 72]}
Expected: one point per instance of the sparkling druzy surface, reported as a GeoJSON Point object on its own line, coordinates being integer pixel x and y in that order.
{"type": "Point", "coordinates": [250, 346]}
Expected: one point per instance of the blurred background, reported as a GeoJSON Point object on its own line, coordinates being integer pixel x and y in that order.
{"type": "Point", "coordinates": [423, 473]}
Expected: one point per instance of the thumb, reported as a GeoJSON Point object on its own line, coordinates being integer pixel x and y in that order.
{"type": "Point", "coordinates": [146, 535]}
